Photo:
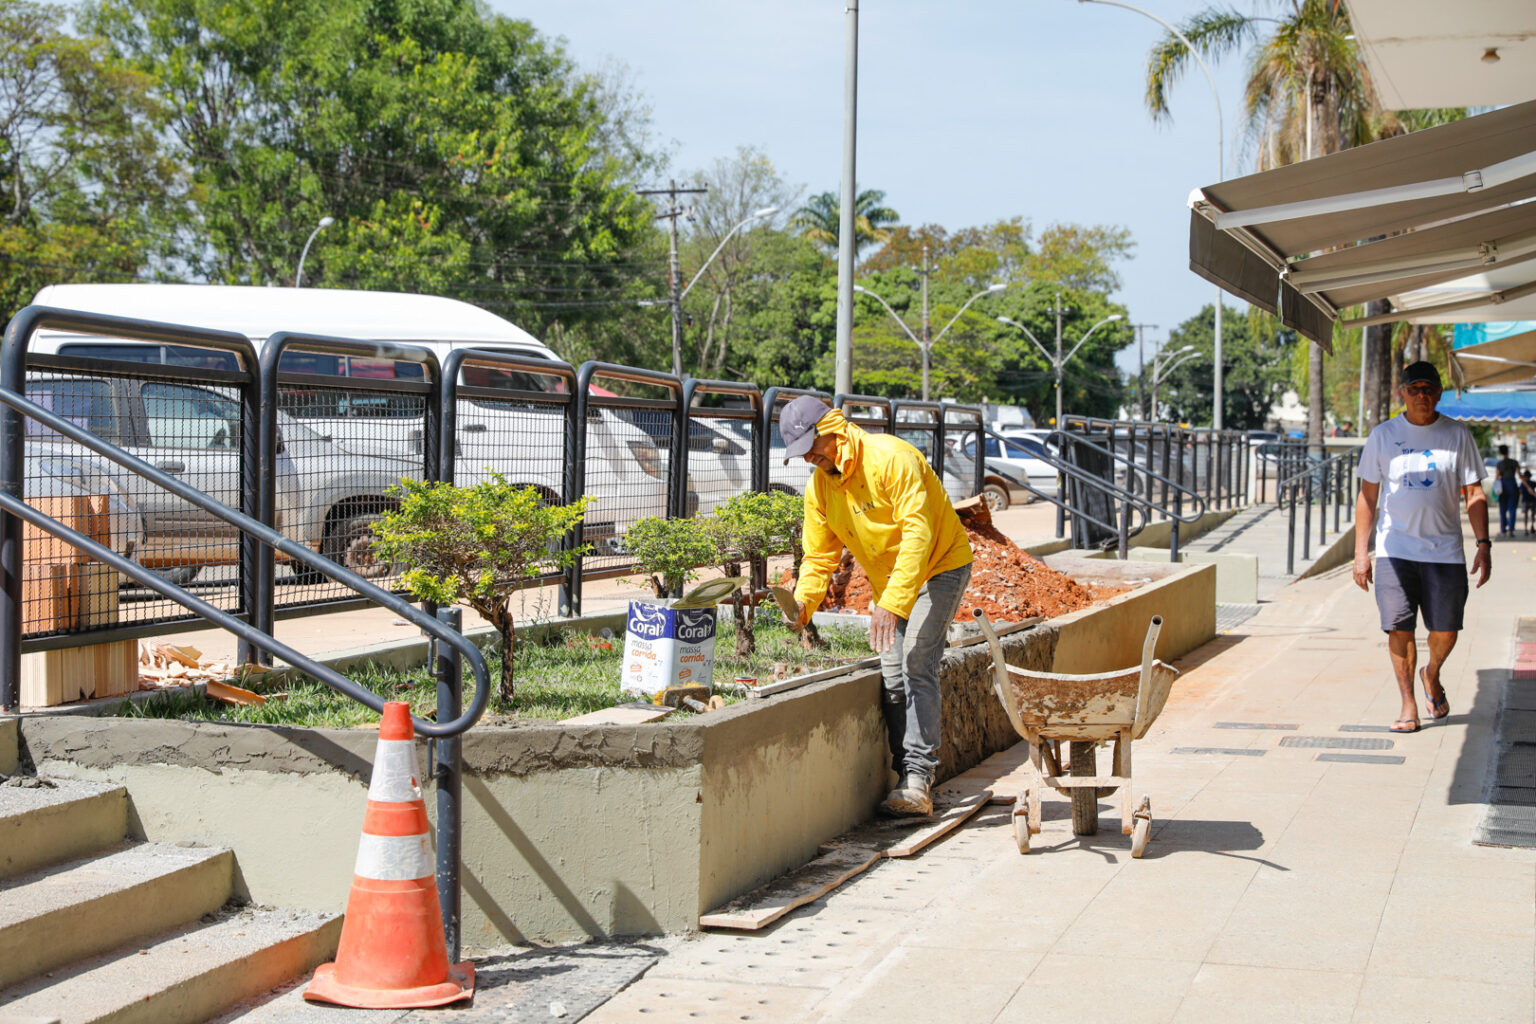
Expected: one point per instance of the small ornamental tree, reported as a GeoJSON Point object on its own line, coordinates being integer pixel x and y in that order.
{"type": "Point", "coordinates": [670, 550]}
{"type": "Point", "coordinates": [752, 526]}
{"type": "Point", "coordinates": [476, 546]}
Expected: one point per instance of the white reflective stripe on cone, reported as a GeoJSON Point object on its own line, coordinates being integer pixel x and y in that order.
{"type": "Point", "coordinates": [394, 773]}
{"type": "Point", "coordinates": [394, 858]}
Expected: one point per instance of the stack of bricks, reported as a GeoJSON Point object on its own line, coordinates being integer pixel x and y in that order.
{"type": "Point", "coordinates": [63, 590]}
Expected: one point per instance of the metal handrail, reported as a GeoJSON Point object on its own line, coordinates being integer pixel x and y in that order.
{"type": "Point", "coordinates": [1314, 467]}
{"type": "Point", "coordinates": [1129, 499]}
{"type": "Point", "coordinates": [264, 534]}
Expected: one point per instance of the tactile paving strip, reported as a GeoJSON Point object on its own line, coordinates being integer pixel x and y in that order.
{"type": "Point", "coordinates": [1220, 751]}
{"type": "Point", "coordinates": [1336, 742]}
{"type": "Point", "coordinates": [1516, 766]}
{"type": "Point", "coordinates": [1363, 758]}
{"type": "Point", "coordinates": [1256, 725]}
{"type": "Point", "coordinates": [1365, 728]}
{"type": "Point", "coordinates": [1230, 616]}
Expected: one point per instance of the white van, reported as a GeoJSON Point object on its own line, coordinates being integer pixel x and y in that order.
{"type": "Point", "coordinates": [625, 472]}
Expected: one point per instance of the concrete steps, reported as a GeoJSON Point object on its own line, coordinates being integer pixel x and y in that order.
{"type": "Point", "coordinates": [188, 974]}
{"type": "Point", "coordinates": [98, 928]}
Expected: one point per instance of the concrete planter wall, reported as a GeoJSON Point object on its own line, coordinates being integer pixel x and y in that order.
{"type": "Point", "coordinates": [582, 831]}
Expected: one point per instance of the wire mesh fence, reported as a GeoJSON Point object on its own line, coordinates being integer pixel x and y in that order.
{"type": "Point", "coordinates": [184, 420]}
{"type": "Point", "coordinates": [628, 458]}
{"type": "Point", "coordinates": [350, 427]}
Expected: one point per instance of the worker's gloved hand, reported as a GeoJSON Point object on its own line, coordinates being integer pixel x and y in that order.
{"type": "Point", "coordinates": [882, 629]}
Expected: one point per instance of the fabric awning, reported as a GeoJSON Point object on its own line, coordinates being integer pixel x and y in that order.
{"type": "Point", "coordinates": [1490, 406]}
{"type": "Point", "coordinates": [1385, 220]}
{"type": "Point", "coordinates": [1505, 361]}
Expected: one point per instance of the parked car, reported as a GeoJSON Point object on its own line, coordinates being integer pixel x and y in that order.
{"type": "Point", "coordinates": [1024, 455]}
{"type": "Point", "coordinates": [326, 497]}
{"type": "Point", "coordinates": [521, 439]}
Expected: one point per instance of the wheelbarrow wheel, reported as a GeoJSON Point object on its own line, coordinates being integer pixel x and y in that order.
{"type": "Point", "coordinates": [1021, 822]}
{"type": "Point", "coordinates": [1143, 827]}
{"type": "Point", "coordinates": [1085, 799]}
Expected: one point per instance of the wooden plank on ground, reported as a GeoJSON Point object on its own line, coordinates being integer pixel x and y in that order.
{"type": "Point", "coordinates": [1006, 773]}
{"type": "Point", "coordinates": [903, 837]}
{"type": "Point", "coordinates": [762, 906]}
{"type": "Point", "coordinates": [621, 715]}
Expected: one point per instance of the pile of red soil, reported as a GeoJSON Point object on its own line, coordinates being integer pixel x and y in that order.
{"type": "Point", "coordinates": [1008, 584]}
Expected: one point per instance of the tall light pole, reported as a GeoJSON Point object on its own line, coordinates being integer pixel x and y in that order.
{"type": "Point", "coordinates": [1058, 360]}
{"type": "Point", "coordinates": [1164, 363]}
{"type": "Point", "coordinates": [925, 344]}
{"type": "Point", "coordinates": [1221, 170]}
{"type": "Point", "coordinates": [325, 222]}
{"type": "Point", "coordinates": [846, 250]}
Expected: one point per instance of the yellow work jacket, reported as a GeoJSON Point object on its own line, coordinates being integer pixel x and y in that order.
{"type": "Point", "coordinates": [888, 506]}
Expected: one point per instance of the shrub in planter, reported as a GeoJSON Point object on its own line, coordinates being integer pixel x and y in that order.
{"type": "Point", "coordinates": [750, 527]}
{"type": "Point", "coordinates": [671, 551]}
{"type": "Point", "coordinates": [476, 546]}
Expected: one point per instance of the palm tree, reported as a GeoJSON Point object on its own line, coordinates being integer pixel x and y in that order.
{"type": "Point", "coordinates": [1308, 94]}
{"type": "Point", "coordinates": [820, 219]}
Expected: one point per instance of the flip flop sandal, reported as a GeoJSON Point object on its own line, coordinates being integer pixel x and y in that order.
{"type": "Point", "coordinates": [1404, 721]}
{"type": "Point", "coordinates": [1437, 708]}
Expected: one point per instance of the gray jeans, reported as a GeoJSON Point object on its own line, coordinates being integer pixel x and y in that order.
{"type": "Point", "coordinates": [910, 670]}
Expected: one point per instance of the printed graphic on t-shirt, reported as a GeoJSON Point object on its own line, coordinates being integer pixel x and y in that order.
{"type": "Point", "coordinates": [1417, 467]}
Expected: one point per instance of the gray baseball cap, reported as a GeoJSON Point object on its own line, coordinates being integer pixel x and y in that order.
{"type": "Point", "coordinates": [797, 424]}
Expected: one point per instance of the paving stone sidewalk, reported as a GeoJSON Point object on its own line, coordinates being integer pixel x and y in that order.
{"type": "Point", "coordinates": [1310, 880]}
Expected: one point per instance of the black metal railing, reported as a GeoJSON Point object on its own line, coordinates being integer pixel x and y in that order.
{"type": "Point", "coordinates": [1091, 494]}
{"type": "Point", "coordinates": [1326, 484]}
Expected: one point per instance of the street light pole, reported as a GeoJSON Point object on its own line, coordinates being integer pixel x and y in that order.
{"type": "Point", "coordinates": [1166, 362]}
{"type": "Point", "coordinates": [927, 327]}
{"type": "Point", "coordinates": [846, 249]}
{"type": "Point", "coordinates": [1217, 401]}
{"type": "Point", "coordinates": [925, 344]}
{"type": "Point", "coordinates": [1058, 360]}
{"type": "Point", "coordinates": [325, 222]}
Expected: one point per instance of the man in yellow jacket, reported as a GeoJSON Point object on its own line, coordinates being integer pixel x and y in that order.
{"type": "Point", "coordinates": [877, 495]}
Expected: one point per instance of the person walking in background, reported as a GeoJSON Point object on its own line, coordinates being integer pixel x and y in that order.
{"type": "Point", "coordinates": [877, 495]}
{"type": "Point", "coordinates": [1528, 501]}
{"type": "Point", "coordinates": [1508, 471]}
{"type": "Point", "coordinates": [1415, 471]}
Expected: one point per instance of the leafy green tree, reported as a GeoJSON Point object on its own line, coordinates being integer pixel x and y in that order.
{"type": "Point", "coordinates": [671, 551]}
{"type": "Point", "coordinates": [85, 193]}
{"type": "Point", "coordinates": [749, 527]}
{"type": "Point", "coordinates": [477, 546]}
{"type": "Point", "coordinates": [820, 220]}
{"type": "Point", "coordinates": [458, 151]}
{"type": "Point", "coordinates": [1256, 355]}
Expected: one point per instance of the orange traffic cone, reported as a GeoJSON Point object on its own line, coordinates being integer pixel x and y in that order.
{"type": "Point", "coordinates": [392, 954]}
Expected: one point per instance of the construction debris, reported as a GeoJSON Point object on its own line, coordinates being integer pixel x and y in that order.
{"type": "Point", "coordinates": [163, 666]}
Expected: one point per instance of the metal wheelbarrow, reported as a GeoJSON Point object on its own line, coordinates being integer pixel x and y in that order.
{"type": "Point", "coordinates": [1047, 708]}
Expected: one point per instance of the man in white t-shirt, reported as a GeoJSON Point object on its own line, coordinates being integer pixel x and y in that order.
{"type": "Point", "coordinates": [1415, 470]}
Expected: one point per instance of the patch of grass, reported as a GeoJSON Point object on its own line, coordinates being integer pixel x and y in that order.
{"type": "Point", "coordinates": [571, 674]}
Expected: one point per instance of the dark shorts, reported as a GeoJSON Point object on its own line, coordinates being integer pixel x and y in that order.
{"type": "Point", "coordinates": [1405, 587]}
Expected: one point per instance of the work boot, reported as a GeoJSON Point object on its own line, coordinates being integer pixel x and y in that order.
{"type": "Point", "coordinates": [910, 798]}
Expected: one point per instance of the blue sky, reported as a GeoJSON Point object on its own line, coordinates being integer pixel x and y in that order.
{"type": "Point", "coordinates": [969, 112]}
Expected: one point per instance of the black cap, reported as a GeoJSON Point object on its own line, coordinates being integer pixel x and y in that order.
{"type": "Point", "coordinates": [1414, 373]}
{"type": "Point", "coordinates": [797, 424]}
